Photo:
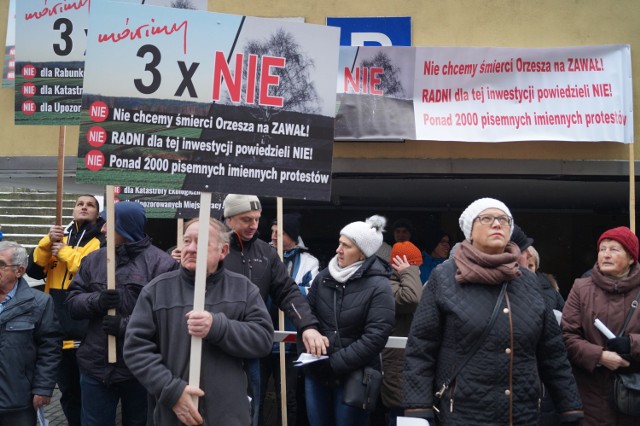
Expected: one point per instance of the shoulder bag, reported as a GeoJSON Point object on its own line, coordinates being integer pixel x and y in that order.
{"type": "Point", "coordinates": [626, 387]}
{"type": "Point", "coordinates": [361, 387]}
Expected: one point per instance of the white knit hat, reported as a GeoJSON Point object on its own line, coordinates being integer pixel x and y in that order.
{"type": "Point", "coordinates": [234, 204]}
{"type": "Point", "coordinates": [478, 206]}
{"type": "Point", "coordinates": [366, 235]}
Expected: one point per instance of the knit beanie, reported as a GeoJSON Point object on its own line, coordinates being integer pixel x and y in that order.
{"type": "Point", "coordinates": [403, 223]}
{"type": "Point", "coordinates": [407, 248]}
{"type": "Point", "coordinates": [290, 225]}
{"type": "Point", "coordinates": [432, 239]}
{"type": "Point", "coordinates": [625, 237]}
{"type": "Point", "coordinates": [520, 238]}
{"type": "Point", "coordinates": [367, 235]}
{"type": "Point", "coordinates": [234, 204]}
{"type": "Point", "coordinates": [130, 220]}
{"type": "Point", "coordinates": [469, 215]}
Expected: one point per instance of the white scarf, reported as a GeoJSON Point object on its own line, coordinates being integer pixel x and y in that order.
{"type": "Point", "coordinates": [343, 274]}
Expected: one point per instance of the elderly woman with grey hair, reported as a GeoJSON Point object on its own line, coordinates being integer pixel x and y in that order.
{"type": "Point", "coordinates": [482, 339]}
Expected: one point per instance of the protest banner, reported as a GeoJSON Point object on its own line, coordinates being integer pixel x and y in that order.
{"type": "Point", "coordinates": [474, 94]}
{"type": "Point", "coordinates": [9, 61]}
{"type": "Point", "coordinates": [165, 203]}
{"type": "Point", "coordinates": [51, 40]}
{"type": "Point", "coordinates": [208, 102]}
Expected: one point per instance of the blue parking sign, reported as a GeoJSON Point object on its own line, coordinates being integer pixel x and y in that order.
{"type": "Point", "coordinates": [373, 31]}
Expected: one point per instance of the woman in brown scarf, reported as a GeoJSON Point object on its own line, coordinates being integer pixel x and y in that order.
{"type": "Point", "coordinates": [608, 294]}
{"type": "Point", "coordinates": [486, 372]}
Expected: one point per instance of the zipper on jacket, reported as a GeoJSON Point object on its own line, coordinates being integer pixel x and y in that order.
{"type": "Point", "coordinates": [451, 390]}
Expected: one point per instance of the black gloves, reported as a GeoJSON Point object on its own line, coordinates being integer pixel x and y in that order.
{"type": "Point", "coordinates": [621, 345]}
{"type": "Point", "coordinates": [108, 299]}
{"type": "Point", "coordinates": [111, 324]}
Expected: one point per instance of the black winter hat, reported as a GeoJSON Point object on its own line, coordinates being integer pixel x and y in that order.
{"type": "Point", "coordinates": [290, 225]}
{"type": "Point", "coordinates": [520, 238]}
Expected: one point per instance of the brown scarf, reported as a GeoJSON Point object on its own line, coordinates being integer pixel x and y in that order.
{"type": "Point", "coordinates": [475, 266]}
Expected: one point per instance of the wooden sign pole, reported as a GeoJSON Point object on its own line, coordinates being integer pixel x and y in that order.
{"type": "Point", "coordinates": [60, 176]}
{"type": "Point", "coordinates": [111, 264]}
{"type": "Point", "coordinates": [281, 326]}
{"type": "Point", "coordinates": [632, 190]}
{"type": "Point", "coordinates": [199, 288]}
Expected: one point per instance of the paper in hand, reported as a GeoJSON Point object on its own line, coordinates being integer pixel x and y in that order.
{"type": "Point", "coordinates": [307, 358]}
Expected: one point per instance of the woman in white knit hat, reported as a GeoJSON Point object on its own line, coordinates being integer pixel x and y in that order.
{"type": "Point", "coordinates": [352, 300]}
{"type": "Point", "coordinates": [482, 339]}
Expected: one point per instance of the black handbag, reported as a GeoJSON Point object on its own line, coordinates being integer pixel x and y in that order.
{"type": "Point", "coordinates": [361, 387]}
{"type": "Point", "coordinates": [626, 387]}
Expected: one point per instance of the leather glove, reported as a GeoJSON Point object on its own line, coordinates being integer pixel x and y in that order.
{"type": "Point", "coordinates": [108, 299]}
{"type": "Point", "coordinates": [621, 345]}
{"type": "Point", "coordinates": [111, 324]}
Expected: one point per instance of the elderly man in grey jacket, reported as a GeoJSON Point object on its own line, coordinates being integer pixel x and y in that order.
{"type": "Point", "coordinates": [234, 326]}
{"type": "Point", "coordinates": [30, 341]}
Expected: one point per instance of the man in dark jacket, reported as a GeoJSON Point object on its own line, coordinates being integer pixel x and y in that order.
{"type": "Point", "coordinates": [137, 263]}
{"type": "Point", "coordinates": [258, 261]}
{"type": "Point", "coordinates": [30, 341]}
{"type": "Point", "coordinates": [234, 325]}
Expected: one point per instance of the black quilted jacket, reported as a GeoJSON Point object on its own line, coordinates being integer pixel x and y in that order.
{"type": "Point", "coordinates": [500, 385]}
{"type": "Point", "coordinates": [366, 315]}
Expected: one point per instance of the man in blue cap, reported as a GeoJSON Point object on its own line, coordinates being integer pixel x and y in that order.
{"type": "Point", "coordinates": [137, 262]}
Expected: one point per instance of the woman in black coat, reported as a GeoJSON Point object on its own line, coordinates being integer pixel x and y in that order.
{"type": "Point", "coordinates": [353, 303]}
{"type": "Point", "coordinates": [500, 384]}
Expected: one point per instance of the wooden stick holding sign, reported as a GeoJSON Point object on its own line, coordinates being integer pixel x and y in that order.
{"type": "Point", "coordinates": [111, 265]}
{"type": "Point", "coordinates": [632, 190]}
{"type": "Point", "coordinates": [283, 371]}
{"type": "Point", "coordinates": [60, 176]}
{"type": "Point", "coordinates": [199, 288]}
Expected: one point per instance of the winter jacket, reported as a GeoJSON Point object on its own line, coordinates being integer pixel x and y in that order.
{"type": "Point", "coordinates": [609, 300]}
{"type": "Point", "coordinates": [258, 261]}
{"type": "Point", "coordinates": [500, 384]}
{"type": "Point", "coordinates": [157, 345]}
{"type": "Point", "coordinates": [30, 348]}
{"type": "Point", "coordinates": [303, 268]}
{"type": "Point", "coordinates": [552, 297]}
{"type": "Point", "coordinates": [407, 289]}
{"type": "Point", "coordinates": [137, 263]}
{"type": "Point", "coordinates": [365, 314]}
{"type": "Point", "coordinates": [61, 268]}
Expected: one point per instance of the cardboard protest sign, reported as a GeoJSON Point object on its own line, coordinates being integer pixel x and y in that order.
{"type": "Point", "coordinates": [208, 102]}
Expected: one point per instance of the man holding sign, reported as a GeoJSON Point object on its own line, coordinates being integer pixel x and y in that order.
{"type": "Point", "coordinates": [137, 262]}
{"type": "Point", "coordinates": [258, 261]}
{"type": "Point", "coordinates": [235, 325]}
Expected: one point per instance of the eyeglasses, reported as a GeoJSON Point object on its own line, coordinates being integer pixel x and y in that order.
{"type": "Point", "coordinates": [487, 219]}
{"type": "Point", "coordinates": [4, 266]}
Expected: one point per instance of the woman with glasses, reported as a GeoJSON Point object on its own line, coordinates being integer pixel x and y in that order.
{"type": "Point", "coordinates": [482, 338]}
{"type": "Point", "coordinates": [608, 295]}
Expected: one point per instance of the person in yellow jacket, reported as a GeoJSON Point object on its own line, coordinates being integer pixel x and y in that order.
{"type": "Point", "coordinates": [59, 253]}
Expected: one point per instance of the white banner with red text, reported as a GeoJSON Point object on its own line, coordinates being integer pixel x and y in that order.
{"type": "Point", "coordinates": [475, 94]}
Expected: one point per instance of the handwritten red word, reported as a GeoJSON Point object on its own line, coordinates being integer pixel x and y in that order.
{"type": "Point", "coordinates": [147, 31]}
{"type": "Point", "coordinates": [264, 78]}
{"type": "Point", "coordinates": [57, 9]}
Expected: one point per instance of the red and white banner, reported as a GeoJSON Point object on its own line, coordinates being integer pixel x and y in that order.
{"type": "Point", "coordinates": [475, 94]}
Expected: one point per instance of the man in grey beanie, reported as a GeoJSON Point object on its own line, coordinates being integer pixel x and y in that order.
{"type": "Point", "coordinates": [258, 261]}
